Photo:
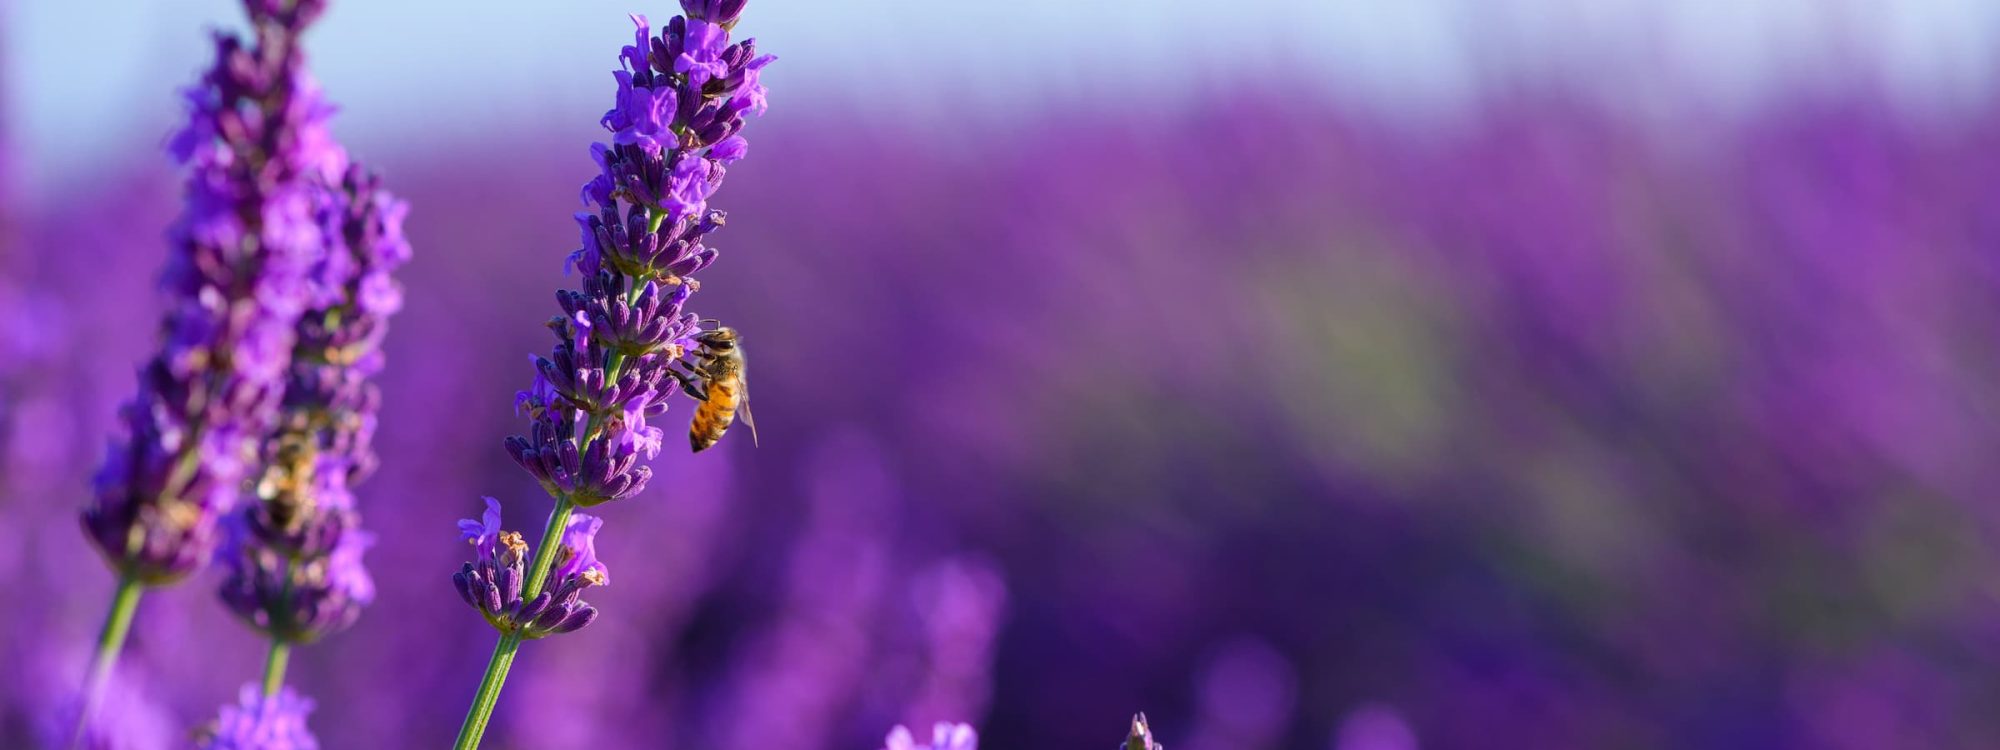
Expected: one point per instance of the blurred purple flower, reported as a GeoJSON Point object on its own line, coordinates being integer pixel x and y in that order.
{"type": "Point", "coordinates": [944, 736]}
{"type": "Point", "coordinates": [127, 720]}
{"type": "Point", "coordinates": [294, 560]}
{"type": "Point", "coordinates": [1374, 727]}
{"type": "Point", "coordinates": [959, 604]}
{"type": "Point", "coordinates": [260, 722]}
{"type": "Point", "coordinates": [256, 149]}
{"type": "Point", "coordinates": [1248, 692]}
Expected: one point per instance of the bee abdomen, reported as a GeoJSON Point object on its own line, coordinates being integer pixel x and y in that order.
{"type": "Point", "coordinates": [713, 417]}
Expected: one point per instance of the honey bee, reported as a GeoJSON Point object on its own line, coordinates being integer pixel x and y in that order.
{"type": "Point", "coordinates": [717, 382]}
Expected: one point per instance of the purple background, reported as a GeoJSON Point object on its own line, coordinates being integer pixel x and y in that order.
{"type": "Point", "coordinates": [1295, 422]}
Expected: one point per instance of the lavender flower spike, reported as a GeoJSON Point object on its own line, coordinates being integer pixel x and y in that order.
{"type": "Point", "coordinates": [624, 341]}
{"type": "Point", "coordinates": [944, 736]}
{"type": "Point", "coordinates": [258, 156]}
{"type": "Point", "coordinates": [261, 722]}
{"type": "Point", "coordinates": [256, 148]}
{"type": "Point", "coordinates": [294, 555]}
{"type": "Point", "coordinates": [622, 338]}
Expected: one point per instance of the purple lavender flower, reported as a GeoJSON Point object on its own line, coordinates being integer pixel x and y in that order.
{"type": "Point", "coordinates": [1374, 726]}
{"type": "Point", "coordinates": [578, 554]}
{"type": "Point", "coordinates": [260, 165]}
{"type": "Point", "coordinates": [294, 556]}
{"type": "Point", "coordinates": [260, 722]}
{"type": "Point", "coordinates": [130, 718]}
{"type": "Point", "coordinates": [493, 584]}
{"type": "Point", "coordinates": [701, 51]}
{"type": "Point", "coordinates": [944, 736]}
{"type": "Point", "coordinates": [959, 604]}
{"type": "Point", "coordinates": [622, 335]}
{"type": "Point", "coordinates": [622, 340]}
{"type": "Point", "coordinates": [256, 149]}
{"type": "Point", "coordinates": [643, 116]}
{"type": "Point", "coordinates": [483, 534]}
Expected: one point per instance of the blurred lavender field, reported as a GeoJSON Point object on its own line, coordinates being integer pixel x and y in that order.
{"type": "Point", "coordinates": [1285, 421]}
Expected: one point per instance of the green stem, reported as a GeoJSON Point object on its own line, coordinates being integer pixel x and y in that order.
{"type": "Point", "coordinates": [545, 553]}
{"type": "Point", "coordinates": [110, 640]}
{"type": "Point", "coordinates": [502, 660]}
{"type": "Point", "coordinates": [481, 713]}
{"type": "Point", "coordinates": [274, 666]}
{"type": "Point", "coordinates": [476, 719]}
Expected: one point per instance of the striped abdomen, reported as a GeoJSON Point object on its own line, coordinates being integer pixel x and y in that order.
{"type": "Point", "coordinates": [713, 417]}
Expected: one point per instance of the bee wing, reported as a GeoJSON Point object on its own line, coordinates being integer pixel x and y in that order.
{"type": "Point", "coordinates": [743, 410]}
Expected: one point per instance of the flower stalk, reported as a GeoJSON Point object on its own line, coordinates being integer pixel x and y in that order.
{"type": "Point", "coordinates": [625, 342]}
{"type": "Point", "coordinates": [274, 666]}
{"type": "Point", "coordinates": [110, 640]}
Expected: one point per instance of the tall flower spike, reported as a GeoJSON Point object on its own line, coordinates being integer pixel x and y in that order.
{"type": "Point", "coordinates": [259, 160]}
{"type": "Point", "coordinates": [623, 339]}
{"type": "Point", "coordinates": [675, 121]}
{"type": "Point", "coordinates": [294, 555]}
{"type": "Point", "coordinates": [256, 150]}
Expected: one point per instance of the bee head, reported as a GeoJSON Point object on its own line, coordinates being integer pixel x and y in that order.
{"type": "Point", "coordinates": [720, 338]}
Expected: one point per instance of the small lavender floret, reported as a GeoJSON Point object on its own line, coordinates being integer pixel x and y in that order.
{"type": "Point", "coordinates": [944, 736]}
{"type": "Point", "coordinates": [491, 584]}
{"type": "Point", "coordinates": [257, 722]}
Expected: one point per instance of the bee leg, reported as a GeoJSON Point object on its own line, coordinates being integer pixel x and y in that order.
{"type": "Point", "coordinates": [691, 384]}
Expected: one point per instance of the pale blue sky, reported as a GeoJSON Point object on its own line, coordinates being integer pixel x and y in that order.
{"type": "Point", "coordinates": [87, 81]}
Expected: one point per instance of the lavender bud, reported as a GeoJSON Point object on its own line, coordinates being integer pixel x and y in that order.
{"type": "Point", "coordinates": [534, 607]}
{"type": "Point", "coordinates": [461, 580]}
{"type": "Point", "coordinates": [576, 620]}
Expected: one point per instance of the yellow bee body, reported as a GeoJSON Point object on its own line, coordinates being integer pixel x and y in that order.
{"type": "Point", "coordinates": [718, 383]}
